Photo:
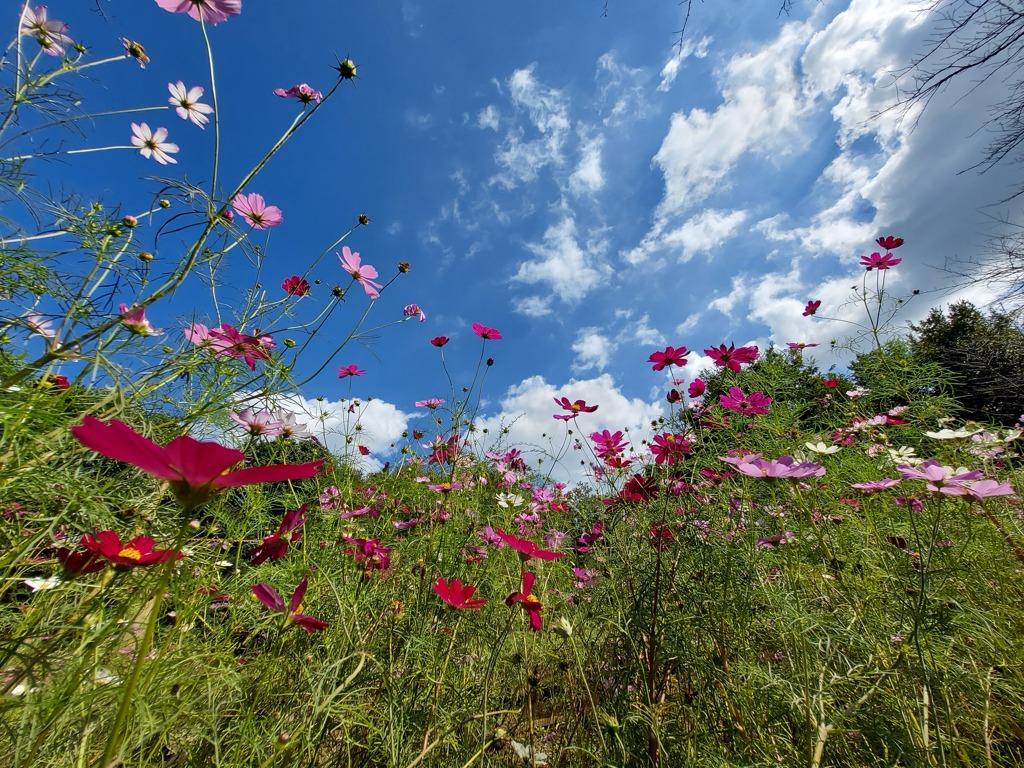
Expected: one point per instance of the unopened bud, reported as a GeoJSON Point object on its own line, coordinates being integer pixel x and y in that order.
{"type": "Point", "coordinates": [146, 256]}
{"type": "Point", "coordinates": [364, 220]}
{"type": "Point", "coordinates": [165, 203]}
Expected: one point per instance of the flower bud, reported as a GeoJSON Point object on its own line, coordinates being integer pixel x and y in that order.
{"type": "Point", "coordinates": [146, 256]}
{"type": "Point", "coordinates": [165, 203]}
{"type": "Point", "coordinates": [364, 220]}
{"type": "Point", "coordinates": [130, 221]}
{"type": "Point", "coordinates": [346, 68]}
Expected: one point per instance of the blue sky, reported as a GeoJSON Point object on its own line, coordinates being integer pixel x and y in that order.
{"type": "Point", "coordinates": [585, 183]}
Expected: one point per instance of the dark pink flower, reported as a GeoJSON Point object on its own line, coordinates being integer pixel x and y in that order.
{"type": "Point", "coordinates": [878, 261]}
{"type": "Point", "coordinates": [696, 388]}
{"type": "Point", "coordinates": [363, 274]}
{"type": "Point", "coordinates": [889, 242]}
{"type": "Point", "coordinates": [486, 333]}
{"type": "Point", "coordinates": [732, 356]}
{"type": "Point", "coordinates": [208, 11]}
{"type": "Point", "coordinates": [871, 486]}
{"type": "Point", "coordinates": [413, 310]}
{"type": "Point", "coordinates": [799, 344]}
{"type": "Point", "coordinates": [350, 370]}
{"type": "Point", "coordinates": [749, 405]}
{"type": "Point", "coordinates": [811, 308]}
{"type": "Point", "coordinates": [254, 209]}
{"type": "Point", "coordinates": [530, 602]}
{"type": "Point", "coordinates": [526, 549]}
{"type": "Point", "coordinates": [439, 341]}
{"type": "Point", "coordinates": [445, 487]}
{"type": "Point", "coordinates": [276, 544]}
{"type": "Point", "coordinates": [668, 448]}
{"type": "Point", "coordinates": [77, 563]}
{"type": "Point", "coordinates": [302, 92]}
{"type": "Point", "coordinates": [363, 450]}
{"type": "Point", "coordinates": [573, 408]}
{"type": "Point", "coordinates": [369, 553]}
{"type": "Point", "coordinates": [228, 341]}
{"type": "Point", "coordinates": [671, 356]}
{"type": "Point", "coordinates": [295, 286]}
{"type": "Point", "coordinates": [831, 382]}
{"type": "Point", "coordinates": [137, 552]}
{"type": "Point", "coordinates": [458, 595]}
{"type": "Point", "coordinates": [292, 611]}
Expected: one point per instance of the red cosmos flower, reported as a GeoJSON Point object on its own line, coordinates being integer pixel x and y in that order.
{"type": "Point", "coordinates": [77, 563]}
{"type": "Point", "coordinates": [458, 595]}
{"type": "Point", "coordinates": [295, 286]}
{"type": "Point", "coordinates": [269, 596]}
{"type": "Point", "coordinates": [673, 396]}
{"type": "Point", "coordinates": [732, 356]}
{"type": "Point", "coordinates": [54, 381]}
{"type": "Point", "coordinates": [195, 469]}
{"type": "Point", "coordinates": [130, 554]}
{"type": "Point", "coordinates": [574, 409]}
{"type": "Point", "coordinates": [832, 382]}
{"type": "Point", "coordinates": [486, 333]}
{"type": "Point", "coordinates": [369, 552]}
{"type": "Point", "coordinates": [530, 603]}
{"type": "Point", "coordinates": [275, 545]}
{"type": "Point", "coordinates": [439, 341]}
{"type": "Point", "coordinates": [671, 356]}
{"type": "Point", "coordinates": [811, 308]}
{"type": "Point", "coordinates": [697, 388]}
{"type": "Point", "coordinates": [525, 548]}
{"type": "Point", "coordinates": [889, 242]}
{"type": "Point", "coordinates": [878, 261]}
{"type": "Point", "coordinates": [364, 451]}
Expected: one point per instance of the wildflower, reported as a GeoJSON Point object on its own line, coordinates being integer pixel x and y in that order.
{"type": "Point", "coordinates": [261, 423]}
{"type": "Point", "coordinates": [486, 333]}
{"type": "Point", "coordinates": [136, 51]}
{"type": "Point", "coordinates": [526, 549]}
{"type": "Point", "coordinates": [54, 380]}
{"type": "Point", "coordinates": [134, 319]}
{"type": "Point", "coordinates": [671, 356]}
{"type": "Point", "coordinates": [749, 405]}
{"type": "Point", "coordinates": [362, 274]}
{"type": "Point", "coordinates": [295, 286]}
{"type": "Point", "coordinates": [370, 553]}
{"type": "Point", "coordinates": [697, 388]}
{"type": "Point", "coordinates": [446, 487]}
{"type": "Point", "coordinates": [293, 611]}
{"type": "Point", "coordinates": [152, 145]}
{"type": "Point", "coordinates": [574, 409]}
{"type": "Point", "coordinates": [811, 308]}
{"type": "Point", "coordinates": [137, 552]}
{"type": "Point", "coordinates": [208, 11]}
{"type": "Point", "coordinates": [195, 470]}
{"type": "Point", "coordinates": [871, 486]}
{"type": "Point", "coordinates": [858, 392]}
{"type": "Point", "coordinates": [363, 450]}
{"type": "Point", "coordinates": [820, 447]}
{"type": "Point", "coordinates": [778, 540]}
{"type": "Point", "coordinates": [439, 341]}
{"type": "Point", "coordinates": [669, 449]}
{"type": "Point", "coordinates": [799, 344]}
{"type": "Point", "coordinates": [530, 603]}
{"type": "Point", "coordinates": [430, 402]}
{"type": "Point", "coordinates": [276, 544]}
{"type": "Point", "coordinates": [458, 595]}
{"type": "Point", "coordinates": [187, 105]}
{"type": "Point", "coordinates": [37, 585]}
{"type": "Point", "coordinates": [673, 396]}
{"type": "Point", "coordinates": [940, 479]}
{"type": "Point", "coordinates": [528, 754]}
{"type": "Point", "coordinates": [878, 261]}
{"type": "Point", "coordinates": [732, 356]}
{"type": "Point", "coordinates": [350, 370]}
{"type": "Point", "coordinates": [302, 92]}
{"type": "Point", "coordinates": [554, 538]}
{"type": "Point", "coordinates": [40, 326]}
{"type": "Point", "coordinates": [983, 489]}
{"type": "Point", "coordinates": [889, 242]}
{"type": "Point", "coordinates": [230, 342]}
{"type": "Point", "coordinates": [951, 434]}
{"type": "Point", "coordinates": [831, 382]}
{"type": "Point", "coordinates": [49, 33]}
{"type": "Point", "coordinates": [412, 310]}
{"type": "Point", "coordinates": [254, 209]}
{"type": "Point", "coordinates": [783, 467]}
{"type": "Point", "coordinates": [77, 563]}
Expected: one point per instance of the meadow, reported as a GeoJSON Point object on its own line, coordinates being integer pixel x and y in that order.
{"type": "Point", "coordinates": [794, 567]}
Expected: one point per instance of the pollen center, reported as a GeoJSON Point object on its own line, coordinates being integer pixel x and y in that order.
{"type": "Point", "coordinates": [532, 599]}
{"type": "Point", "coordinates": [131, 553]}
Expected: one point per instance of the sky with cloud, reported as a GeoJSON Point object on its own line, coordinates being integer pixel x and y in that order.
{"type": "Point", "coordinates": [591, 184]}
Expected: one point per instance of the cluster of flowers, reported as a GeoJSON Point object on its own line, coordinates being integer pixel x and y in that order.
{"type": "Point", "coordinates": [228, 341]}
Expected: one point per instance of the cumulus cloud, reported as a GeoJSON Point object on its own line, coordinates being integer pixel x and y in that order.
{"type": "Point", "coordinates": [568, 267]}
{"type": "Point", "coordinates": [593, 349]}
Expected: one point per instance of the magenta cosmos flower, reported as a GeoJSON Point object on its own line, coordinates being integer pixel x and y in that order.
{"type": "Point", "coordinates": [529, 602]}
{"type": "Point", "coordinates": [49, 33]}
{"type": "Point", "coordinates": [152, 145]}
{"type": "Point", "coordinates": [254, 209]}
{"type": "Point", "coordinates": [783, 467]}
{"type": "Point", "coordinates": [671, 356]}
{"type": "Point", "coordinates": [350, 370]}
{"type": "Point", "coordinates": [731, 357]}
{"type": "Point", "coordinates": [228, 341]}
{"type": "Point", "coordinates": [811, 308]}
{"type": "Point", "coordinates": [276, 544]}
{"type": "Point", "coordinates": [526, 549]}
{"type": "Point", "coordinates": [302, 92]}
{"type": "Point", "coordinates": [799, 344]}
{"type": "Point", "coordinates": [439, 341]}
{"type": "Point", "coordinates": [878, 261]}
{"type": "Point", "coordinates": [457, 594]}
{"type": "Point", "coordinates": [668, 448]}
{"type": "Point", "coordinates": [574, 409]}
{"type": "Point", "coordinates": [134, 319]}
{"type": "Point", "coordinates": [361, 273]}
{"type": "Point", "coordinates": [135, 553]}
{"type": "Point", "coordinates": [749, 405]}
{"type": "Point", "coordinates": [697, 388]}
{"type": "Point", "coordinates": [195, 470]}
{"type": "Point", "coordinates": [413, 310]}
{"type": "Point", "coordinates": [889, 242]}
{"type": "Point", "coordinates": [209, 11]}
{"type": "Point", "coordinates": [486, 333]}
{"type": "Point", "coordinates": [295, 286]}
{"type": "Point", "coordinates": [269, 596]}
{"type": "Point", "coordinates": [186, 103]}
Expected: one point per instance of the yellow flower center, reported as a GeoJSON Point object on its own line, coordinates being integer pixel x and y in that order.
{"type": "Point", "coordinates": [131, 553]}
{"type": "Point", "coordinates": [532, 599]}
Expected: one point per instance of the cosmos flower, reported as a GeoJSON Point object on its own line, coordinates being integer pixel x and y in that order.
{"type": "Point", "coordinates": [573, 408]}
{"type": "Point", "coordinates": [732, 356]}
{"type": "Point", "coordinates": [811, 308]}
{"type": "Point", "coordinates": [749, 405]}
{"type": "Point", "coordinates": [186, 103]}
{"type": "Point", "coordinates": [208, 11]}
{"type": "Point", "coordinates": [302, 92]}
{"type": "Point", "coordinates": [889, 242]}
{"type": "Point", "coordinates": [134, 553]}
{"type": "Point", "coordinates": [430, 402]}
{"type": "Point", "coordinates": [412, 310]}
{"type": "Point", "coordinates": [697, 388]}
{"type": "Point", "coordinates": [134, 319]}
{"type": "Point", "coordinates": [486, 333]}
{"type": "Point", "coordinates": [439, 341]}
{"type": "Point", "coordinates": [295, 286]}
{"type": "Point", "coordinates": [671, 356]}
{"type": "Point", "coordinates": [350, 370]}
{"type": "Point", "coordinates": [363, 274]}
{"type": "Point", "coordinates": [254, 423]}
{"type": "Point", "coordinates": [254, 209]}
{"type": "Point", "coordinates": [529, 602]}
{"type": "Point", "coordinates": [878, 261]}
{"type": "Point", "coordinates": [292, 612]}
{"type": "Point", "coordinates": [458, 595]}
{"type": "Point", "coordinates": [152, 145]}
{"type": "Point", "coordinates": [49, 33]}
{"type": "Point", "coordinates": [276, 544]}
{"type": "Point", "coordinates": [526, 549]}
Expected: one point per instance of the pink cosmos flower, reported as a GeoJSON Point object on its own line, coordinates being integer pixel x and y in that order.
{"type": "Point", "coordinates": [811, 308]}
{"type": "Point", "coordinates": [799, 344]}
{"type": "Point", "coordinates": [439, 341]}
{"type": "Point", "coordinates": [292, 611]}
{"type": "Point", "coordinates": [295, 286]}
{"type": "Point", "coordinates": [458, 595]}
{"type": "Point", "coordinates": [732, 356]}
{"type": "Point", "coordinates": [878, 261]}
{"type": "Point", "coordinates": [530, 602]}
{"type": "Point", "coordinates": [696, 388]}
{"type": "Point", "coordinates": [983, 489]}
{"type": "Point", "coordinates": [228, 341]}
{"type": "Point", "coordinates": [302, 92]}
{"type": "Point", "coordinates": [195, 470]}
{"type": "Point", "coordinates": [186, 103]}
{"type": "Point", "coordinates": [526, 549]}
{"type": "Point", "coordinates": [574, 409]}
{"type": "Point", "coordinates": [254, 209]}
{"type": "Point", "coordinates": [40, 325]}
{"type": "Point", "coordinates": [134, 319]}
{"type": "Point", "coordinates": [369, 553]}
{"type": "Point", "coordinates": [411, 310]}
{"type": "Point", "coordinates": [671, 356]}
{"type": "Point", "coordinates": [669, 448]}
{"type": "Point", "coordinates": [208, 11]}
{"type": "Point", "coordinates": [940, 479]}
{"type": "Point", "coordinates": [276, 544]}
{"type": "Point", "coordinates": [875, 485]}
{"type": "Point", "coordinates": [430, 402]}
{"type": "Point", "coordinates": [749, 405]}
{"type": "Point", "coordinates": [152, 145]}
{"type": "Point", "coordinates": [261, 423]}
{"type": "Point", "coordinates": [350, 370]}
{"type": "Point", "coordinates": [486, 333]}
{"type": "Point", "coordinates": [362, 274]}
{"type": "Point", "coordinates": [446, 487]}
{"type": "Point", "coordinates": [889, 242]}
{"type": "Point", "coordinates": [49, 33]}
{"type": "Point", "coordinates": [783, 467]}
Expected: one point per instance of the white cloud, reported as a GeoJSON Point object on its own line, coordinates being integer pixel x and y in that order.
{"type": "Point", "coordinates": [704, 232]}
{"type": "Point", "coordinates": [488, 118]}
{"type": "Point", "coordinates": [623, 90]}
{"type": "Point", "coordinates": [592, 348]}
{"type": "Point", "coordinates": [588, 177]}
{"type": "Point", "coordinates": [569, 269]}
{"type": "Point", "coordinates": [533, 306]}
{"type": "Point", "coordinates": [698, 49]}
